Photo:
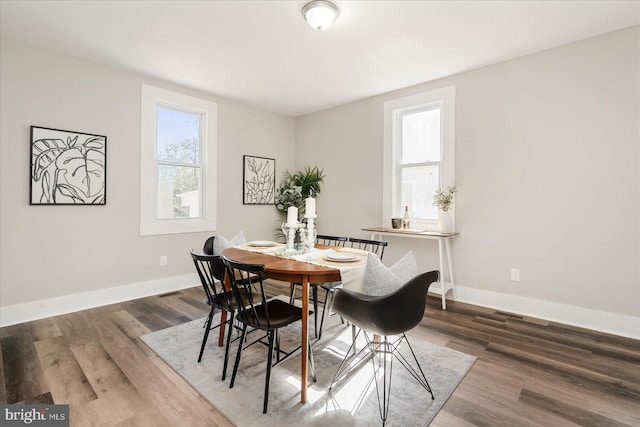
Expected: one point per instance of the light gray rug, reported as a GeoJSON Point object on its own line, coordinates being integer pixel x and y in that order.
{"type": "Point", "coordinates": [351, 402]}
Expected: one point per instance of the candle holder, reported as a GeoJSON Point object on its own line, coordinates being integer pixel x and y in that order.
{"type": "Point", "coordinates": [289, 231]}
{"type": "Point", "coordinates": [311, 232]}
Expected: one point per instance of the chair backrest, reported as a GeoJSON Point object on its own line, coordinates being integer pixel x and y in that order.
{"type": "Point", "coordinates": [218, 265]}
{"type": "Point", "coordinates": [247, 283]}
{"type": "Point", "coordinates": [373, 246]}
{"type": "Point", "coordinates": [207, 249]}
{"type": "Point", "coordinates": [324, 239]}
{"type": "Point", "coordinates": [207, 266]}
{"type": "Point", "coordinates": [390, 314]}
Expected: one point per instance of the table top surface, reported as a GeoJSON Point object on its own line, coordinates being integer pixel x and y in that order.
{"type": "Point", "coordinates": [284, 268]}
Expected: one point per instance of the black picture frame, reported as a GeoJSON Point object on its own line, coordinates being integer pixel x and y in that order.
{"type": "Point", "coordinates": [67, 167]}
{"type": "Point", "coordinates": [258, 180]}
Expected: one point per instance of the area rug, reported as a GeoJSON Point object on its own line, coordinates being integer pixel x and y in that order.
{"type": "Point", "coordinates": [352, 401]}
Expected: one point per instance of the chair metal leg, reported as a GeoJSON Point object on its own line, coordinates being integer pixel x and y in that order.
{"type": "Point", "coordinates": [312, 365]}
{"type": "Point", "coordinates": [384, 352]}
{"type": "Point", "coordinates": [314, 293]}
{"type": "Point", "coordinates": [206, 333]}
{"type": "Point", "coordinates": [315, 308]}
{"type": "Point", "coordinates": [227, 345]}
{"type": "Point", "coordinates": [324, 309]}
{"type": "Point", "coordinates": [237, 362]}
{"type": "Point", "coordinates": [267, 380]}
{"type": "Point", "coordinates": [420, 377]}
{"type": "Point", "coordinates": [354, 335]}
{"type": "Point", "coordinates": [344, 360]}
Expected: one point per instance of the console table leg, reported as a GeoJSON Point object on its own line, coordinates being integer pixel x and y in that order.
{"type": "Point", "coordinates": [442, 287]}
{"type": "Point", "coordinates": [450, 262]}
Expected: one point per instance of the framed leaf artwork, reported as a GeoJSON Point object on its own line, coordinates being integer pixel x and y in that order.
{"type": "Point", "coordinates": [259, 180]}
{"type": "Point", "coordinates": [67, 167]}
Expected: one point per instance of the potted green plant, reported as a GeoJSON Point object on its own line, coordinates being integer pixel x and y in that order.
{"type": "Point", "coordinates": [296, 187]}
{"type": "Point", "coordinates": [443, 200]}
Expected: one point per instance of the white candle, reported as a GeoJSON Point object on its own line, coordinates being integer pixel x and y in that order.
{"type": "Point", "coordinates": [292, 216]}
{"type": "Point", "coordinates": [310, 207]}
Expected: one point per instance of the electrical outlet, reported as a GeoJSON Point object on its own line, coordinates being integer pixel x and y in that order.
{"type": "Point", "coordinates": [515, 275]}
{"type": "Point", "coordinates": [163, 260]}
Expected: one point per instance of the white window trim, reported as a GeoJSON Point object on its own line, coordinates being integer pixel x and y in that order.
{"type": "Point", "coordinates": [446, 96]}
{"type": "Point", "coordinates": [149, 224]}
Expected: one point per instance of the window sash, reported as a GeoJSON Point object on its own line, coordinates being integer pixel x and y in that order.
{"type": "Point", "coordinates": [150, 222]}
{"type": "Point", "coordinates": [394, 167]}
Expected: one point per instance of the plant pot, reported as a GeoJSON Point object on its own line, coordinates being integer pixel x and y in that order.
{"type": "Point", "coordinates": [445, 222]}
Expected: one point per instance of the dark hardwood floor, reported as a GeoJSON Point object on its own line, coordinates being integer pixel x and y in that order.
{"type": "Point", "coordinates": [529, 372]}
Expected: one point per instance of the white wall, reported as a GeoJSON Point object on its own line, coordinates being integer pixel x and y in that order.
{"type": "Point", "coordinates": [547, 170]}
{"type": "Point", "coordinates": [57, 251]}
{"type": "Point", "coordinates": [547, 167]}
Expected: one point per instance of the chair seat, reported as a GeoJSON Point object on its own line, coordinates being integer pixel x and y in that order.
{"type": "Point", "coordinates": [280, 314]}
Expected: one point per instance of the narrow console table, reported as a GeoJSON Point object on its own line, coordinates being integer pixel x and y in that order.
{"type": "Point", "coordinates": [443, 248]}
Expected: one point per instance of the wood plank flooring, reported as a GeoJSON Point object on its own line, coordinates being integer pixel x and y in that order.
{"type": "Point", "coordinates": [529, 372]}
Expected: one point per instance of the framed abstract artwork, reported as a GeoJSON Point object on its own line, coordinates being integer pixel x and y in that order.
{"type": "Point", "coordinates": [67, 167]}
{"type": "Point", "coordinates": [259, 180]}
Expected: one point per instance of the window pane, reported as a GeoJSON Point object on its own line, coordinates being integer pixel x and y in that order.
{"type": "Point", "coordinates": [178, 192]}
{"type": "Point", "coordinates": [421, 137]}
{"type": "Point", "coordinates": [178, 136]}
{"type": "Point", "coordinates": [418, 185]}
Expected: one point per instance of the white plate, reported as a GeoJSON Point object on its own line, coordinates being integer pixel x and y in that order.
{"type": "Point", "coordinates": [341, 257]}
{"type": "Point", "coordinates": [262, 243]}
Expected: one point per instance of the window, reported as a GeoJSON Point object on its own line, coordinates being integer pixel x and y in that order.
{"type": "Point", "coordinates": [178, 163]}
{"type": "Point", "coordinates": [419, 155]}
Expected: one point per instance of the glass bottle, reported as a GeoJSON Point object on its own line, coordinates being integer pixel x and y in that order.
{"type": "Point", "coordinates": [406, 219]}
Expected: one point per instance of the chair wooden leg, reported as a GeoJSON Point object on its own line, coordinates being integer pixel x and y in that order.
{"type": "Point", "coordinates": [206, 333]}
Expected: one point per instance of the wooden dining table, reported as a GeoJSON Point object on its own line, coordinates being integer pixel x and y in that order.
{"type": "Point", "coordinates": [292, 271]}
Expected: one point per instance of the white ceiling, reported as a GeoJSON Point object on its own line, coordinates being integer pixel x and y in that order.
{"type": "Point", "coordinates": [263, 53]}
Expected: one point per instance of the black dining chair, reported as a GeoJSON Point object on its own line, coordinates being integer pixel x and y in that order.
{"type": "Point", "coordinates": [207, 248]}
{"type": "Point", "coordinates": [257, 311]}
{"type": "Point", "coordinates": [385, 316]}
{"type": "Point", "coordinates": [210, 267]}
{"type": "Point", "coordinates": [322, 239]}
{"type": "Point", "coordinates": [374, 246]}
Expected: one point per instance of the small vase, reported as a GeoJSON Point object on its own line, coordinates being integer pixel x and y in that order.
{"type": "Point", "coordinates": [445, 222]}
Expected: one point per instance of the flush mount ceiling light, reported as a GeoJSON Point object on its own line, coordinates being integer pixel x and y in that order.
{"type": "Point", "coordinates": [320, 14]}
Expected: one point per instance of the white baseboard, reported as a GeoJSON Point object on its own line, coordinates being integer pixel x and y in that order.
{"type": "Point", "coordinates": [612, 323]}
{"type": "Point", "coordinates": [603, 321]}
{"type": "Point", "coordinates": [34, 310]}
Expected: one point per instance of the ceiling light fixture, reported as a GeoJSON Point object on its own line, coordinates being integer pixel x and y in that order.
{"type": "Point", "coordinates": [320, 14]}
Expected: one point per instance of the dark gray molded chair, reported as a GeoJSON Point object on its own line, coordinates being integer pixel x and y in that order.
{"type": "Point", "coordinates": [385, 316]}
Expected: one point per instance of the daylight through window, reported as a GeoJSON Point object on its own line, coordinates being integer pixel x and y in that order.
{"type": "Point", "coordinates": [419, 155]}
